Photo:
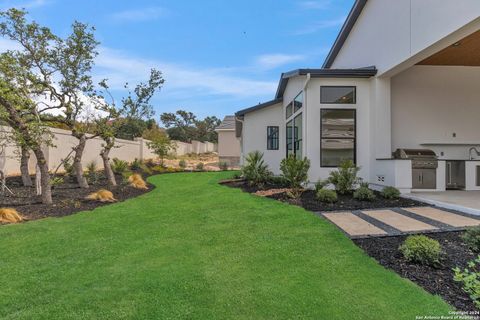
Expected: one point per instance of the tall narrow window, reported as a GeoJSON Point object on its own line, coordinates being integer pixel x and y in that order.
{"type": "Point", "coordinates": [289, 110]}
{"type": "Point", "coordinates": [338, 95]}
{"type": "Point", "coordinates": [337, 136]}
{"type": "Point", "coordinates": [272, 138]}
{"type": "Point", "coordinates": [289, 133]}
{"type": "Point", "coordinates": [298, 102]}
{"type": "Point", "coordinates": [298, 136]}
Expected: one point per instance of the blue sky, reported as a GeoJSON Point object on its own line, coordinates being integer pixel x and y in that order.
{"type": "Point", "coordinates": [217, 56]}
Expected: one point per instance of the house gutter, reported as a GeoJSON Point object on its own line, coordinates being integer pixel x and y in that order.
{"type": "Point", "coordinates": [305, 136]}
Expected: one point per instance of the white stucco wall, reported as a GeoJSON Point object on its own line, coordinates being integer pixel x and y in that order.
{"type": "Point", "coordinates": [255, 135]}
{"type": "Point", "coordinates": [312, 124]}
{"type": "Point", "coordinates": [432, 103]}
{"type": "Point", "coordinates": [389, 32]}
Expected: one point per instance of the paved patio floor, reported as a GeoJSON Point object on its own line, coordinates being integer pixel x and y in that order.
{"type": "Point", "coordinates": [398, 221]}
{"type": "Point", "coordinates": [465, 201]}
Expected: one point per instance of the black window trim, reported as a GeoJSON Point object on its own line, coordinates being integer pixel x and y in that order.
{"type": "Point", "coordinates": [354, 139]}
{"type": "Point", "coordinates": [278, 137]}
{"type": "Point", "coordinates": [354, 95]}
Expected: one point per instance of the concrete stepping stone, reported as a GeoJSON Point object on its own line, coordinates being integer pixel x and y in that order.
{"type": "Point", "coordinates": [446, 217]}
{"type": "Point", "coordinates": [352, 224]}
{"type": "Point", "coordinates": [399, 221]}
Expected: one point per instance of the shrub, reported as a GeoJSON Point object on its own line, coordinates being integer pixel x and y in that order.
{"type": "Point", "coordinates": [321, 184]}
{"type": "Point", "coordinates": [255, 170]}
{"type": "Point", "coordinates": [199, 166]}
{"type": "Point", "coordinates": [390, 193]}
{"type": "Point", "coordinates": [421, 249]}
{"type": "Point", "coordinates": [56, 181]}
{"type": "Point", "coordinates": [92, 174]}
{"type": "Point", "coordinates": [345, 178]}
{"type": "Point", "coordinates": [364, 194]}
{"type": "Point", "coordinates": [278, 181]}
{"type": "Point", "coordinates": [471, 237]}
{"type": "Point", "coordinates": [327, 196]}
{"type": "Point", "coordinates": [223, 166]}
{"type": "Point", "coordinates": [136, 164]}
{"type": "Point", "coordinates": [295, 172]}
{"type": "Point", "coordinates": [470, 278]}
{"type": "Point", "coordinates": [68, 167]}
{"type": "Point", "coordinates": [182, 164]}
{"type": "Point", "coordinates": [119, 166]}
{"type": "Point", "coordinates": [159, 169]}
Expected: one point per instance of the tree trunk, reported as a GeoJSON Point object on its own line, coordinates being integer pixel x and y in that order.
{"type": "Point", "coordinates": [106, 165]}
{"type": "Point", "coordinates": [44, 176]}
{"type": "Point", "coordinates": [77, 162]}
{"type": "Point", "coordinates": [26, 180]}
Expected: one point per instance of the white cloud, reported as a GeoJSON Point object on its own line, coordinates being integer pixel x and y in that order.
{"type": "Point", "coordinates": [118, 68]}
{"type": "Point", "coordinates": [24, 4]}
{"type": "Point", "coordinates": [315, 5]}
{"type": "Point", "coordinates": [143, 14]}
{"type": "Point", "coordinates": [320, 25]}
{"type": "Point", "coordinates": [272, 61]}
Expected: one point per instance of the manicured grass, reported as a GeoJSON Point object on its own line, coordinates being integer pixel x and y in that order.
{"type": "Point", "coordinates": [192, 249]}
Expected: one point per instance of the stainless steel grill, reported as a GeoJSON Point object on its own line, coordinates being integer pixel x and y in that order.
{"type": "Point", "coordinates": [424, 166]}
{"type": "Point", "coordinates": [421, 158]}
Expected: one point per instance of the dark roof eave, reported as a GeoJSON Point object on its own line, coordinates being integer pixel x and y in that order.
{"type": "Point", "coordinates": [366, 72]}
{"type": "Point", "coordinates": [344, 32]}
{"type": "Point", "coordinates": [258, 107]}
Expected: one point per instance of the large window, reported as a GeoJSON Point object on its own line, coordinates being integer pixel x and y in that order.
{"type": "Point", "coordinates": [337, 136]}
{"type": "Point", "coordinates": [272, 138]}
{"type": "Point", "coordinates": [338, 95]}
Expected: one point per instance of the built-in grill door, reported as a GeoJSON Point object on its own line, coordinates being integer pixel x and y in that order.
{"type": "Point", "coordinates": [424, 178]}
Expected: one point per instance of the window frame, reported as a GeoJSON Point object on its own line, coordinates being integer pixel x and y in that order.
{"type": "Point", "coordinates": [277, 139]}
{"type": "Point", "coordinates": [354, 138]}
{"type": "Point", "coordinates": [350, 103]}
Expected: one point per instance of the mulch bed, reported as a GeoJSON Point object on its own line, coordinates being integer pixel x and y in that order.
{"type": "Point", "coordinates": [308, 200]}
{"type": "Point", "coordinates": [68, 198]}
{"type": "Point", "coordinates": [438, 280]}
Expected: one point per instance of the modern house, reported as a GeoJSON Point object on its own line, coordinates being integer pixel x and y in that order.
{"type": "Point", "coordinates": [399, 94]}
{"type": "Point", "coordinates": [228, 143]}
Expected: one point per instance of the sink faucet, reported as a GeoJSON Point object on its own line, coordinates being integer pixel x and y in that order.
{"type": "Point", "coordinates": [470, 153]}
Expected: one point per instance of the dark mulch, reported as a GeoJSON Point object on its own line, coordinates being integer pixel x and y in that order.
{"type": "Point", "coordinates": [68, 198]}
{"type": "Point", "coordinates": [308, 200]}
{"type": "Point", "coordinates": [438, 280]}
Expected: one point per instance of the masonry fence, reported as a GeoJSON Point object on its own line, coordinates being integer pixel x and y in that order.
{"type": "Point", "coordinates": [63, 142]}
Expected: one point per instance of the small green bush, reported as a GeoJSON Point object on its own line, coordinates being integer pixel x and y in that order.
{"type": "Point", "coordinates": [471, 237]}
{"type": "Point", "coordinates": [56, 181]}
{"type": "Point", "coordinates": [321, 184]}
{"type": "Point", "coordinates": [470, 279]}
{"type": "Point", "coordinates": [421, 249]}
{"type": "Point", "coordinates": [92, 172]}
{"type": "Point", "coordinates": [345, 178]}
{"type": "Point", "coordinates": [327, 196]}
{"type": "Point", "coordinates": [119, 166]}
{"type": "Point", "coordinates": [278, 181]}
{"type": "Point", "coordinates": [295, 171]}
{"type": "Point", "coordinates": [182, 164]}
{"type": "Point", "coordinates": [364, 194]}
{"type": "Point", "coordinates": [199, 166]}
{"type": "Point", "coordinates": [255, 170]}
{"type": "Point", "coordinates": [136, 164]}
{"type": "Point", "coordinates": [390, 193]}
{"type": "Point", "coordinates": [223, 166]}
{"type": "Point", "coordinates": [68, 167]}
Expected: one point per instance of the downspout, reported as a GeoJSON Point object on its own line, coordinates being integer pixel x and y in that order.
{"type": "Point", "coordinates": [305, 110]}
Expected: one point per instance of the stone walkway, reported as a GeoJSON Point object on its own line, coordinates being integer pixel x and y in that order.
{"type": "Point", "coordinates": [398, 221]}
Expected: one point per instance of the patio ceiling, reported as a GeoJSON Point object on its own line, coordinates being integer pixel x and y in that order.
{"type": "Point", "coordinates": [462, 53]}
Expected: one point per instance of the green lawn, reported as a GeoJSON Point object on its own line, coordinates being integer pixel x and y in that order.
{"type": "Point", "coordinates": [192, 249]}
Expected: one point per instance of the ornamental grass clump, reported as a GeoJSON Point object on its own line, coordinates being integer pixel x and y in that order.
{"type": "Point", "coordinates": [421, 249]}
{"type": "Point", "coordinates": [101, 195]}
{"type": "Point", "coordinates": [9, 215]}
{"type": "Point", "coordinates": [136, 181]}
{"type": "Point", "coordinates": [295, 172]}
{"type": "Point", "coordinates": [255, 170]}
